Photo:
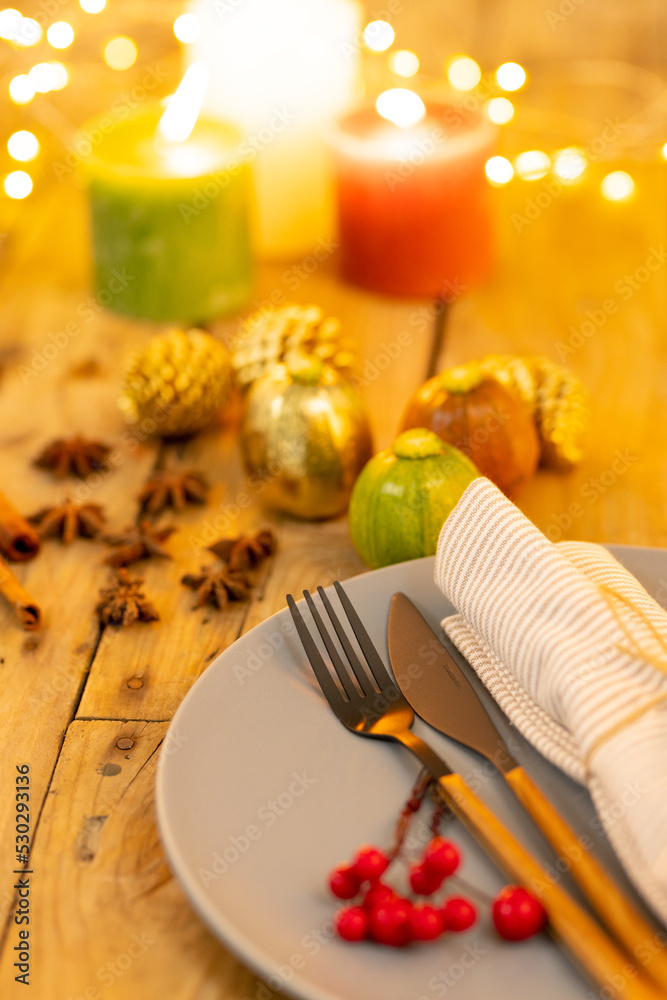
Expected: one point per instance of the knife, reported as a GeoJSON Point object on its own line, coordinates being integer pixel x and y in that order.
{"type": "Point", "coordinates": [438, 691]}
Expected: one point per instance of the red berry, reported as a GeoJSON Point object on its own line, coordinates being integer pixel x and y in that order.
{"type": "Point", "coordinates": [426, 923]}
{"type": "Point", "coordinates": [441, 856]}
{"type": "Point", "coordinates": [369, 863]}
{"type": "Point", "coordinates": [458, 914]}
{"type": "Point", "coordinates": [378, 894]}
{"type": "Point", "coordinates": [517, 915]}
{"type": "Point", "coordinates": [352, 924]}
{"type": "Point", "coordinates": [344, 882]}
{"type": "Point", "coordinates": [390, 922]}
{"type": "Point", "coordinates": [423, 881]}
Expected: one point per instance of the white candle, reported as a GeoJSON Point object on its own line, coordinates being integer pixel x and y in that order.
{"type": "Point", "coordinates": [282, 70]}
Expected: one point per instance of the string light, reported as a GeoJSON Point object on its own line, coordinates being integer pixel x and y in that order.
{"type": "Point", "coordinates": [187, 28]}
{"type": "Point", "coordinates": [29, 32]}
{"type": "Point", "coordinates": [60, 35]}
{"type": "Point", "coordinates": [21, 89]}
{"type": "Point", "coordinates": [500, 110]}
{"type": "Point", "coordinates": [510, 76]}
{"type": "Point", "coordinates": [402, 107]}
{"type": "Point", "coordinates": [18, 184]}
{"type": "Point", "coordinates": [120, 53]}
{"type": "Point", "coordinates": [92, 6]}
{"type": "Point", "coordinates": [463, 73]}
{"type": "Point", "coordinates": [532, 165]}
{"type": "Point", "coordinates": [10, 23]}
{"type": "Point", "coordinates": [499, 170]}
{"type": "Point", "coordinates": [569, 164]}
{"type": "Point", "coordinates": [23, 146]}
{"type": "Point", "coordinates": [404, 62]}
{"type": "Point", "coordinates": [379, 36]}
{"type": "Point", "coordinates": [617, 186]}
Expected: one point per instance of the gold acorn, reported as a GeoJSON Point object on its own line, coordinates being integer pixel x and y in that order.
{"type": "Point", "coordinates": [177, 384]}
{"type": "Point", "coordinates": [556, 398]}
{"type": "Point", "coordinates": [273, 336]}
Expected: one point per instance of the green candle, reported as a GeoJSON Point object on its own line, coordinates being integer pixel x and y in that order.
{"type": "Point", "coordinates": [170, 219]}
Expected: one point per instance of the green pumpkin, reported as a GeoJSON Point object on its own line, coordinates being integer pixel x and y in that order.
{"type": "Point", "coordinates": [403, 496]}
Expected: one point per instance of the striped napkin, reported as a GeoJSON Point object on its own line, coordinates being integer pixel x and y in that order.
{"type": "Point", "coordinates": [574, 651]}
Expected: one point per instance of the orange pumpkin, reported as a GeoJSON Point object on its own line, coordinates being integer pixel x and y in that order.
{"type": "Point", "coordinates": [483, 419]}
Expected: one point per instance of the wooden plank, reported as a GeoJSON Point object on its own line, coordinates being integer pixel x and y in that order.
{"type": "Point", "coordinates": [59, 378]}
{"type": "Point", "coordinates": [107, 919]}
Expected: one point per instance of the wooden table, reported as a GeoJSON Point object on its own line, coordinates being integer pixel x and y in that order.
{"type": "Point", "coordinates": [88, 709]}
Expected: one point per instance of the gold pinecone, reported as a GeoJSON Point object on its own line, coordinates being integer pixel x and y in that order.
{"type": "Point", "coordinates": [555, 397]}
{"type": "Point", "coordinates": [274, 336]}
{"type": "Point", "coordinates": [177, 384]}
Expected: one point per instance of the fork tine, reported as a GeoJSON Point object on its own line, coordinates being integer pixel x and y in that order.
{"type": "Point", "coordinates": [378, 669]}
{"type": "Point", "coordinates": [320, 669]}
{"type": "Point", "coordinates": [359, 671]}
{"type": "Point", "coordinates": [339, 666]}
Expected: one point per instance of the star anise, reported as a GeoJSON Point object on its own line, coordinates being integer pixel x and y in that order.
{"type": "Point", "coordinates": [246, 551]}
{"type": "Point", "coordinates": [140, 541]}
{"type": "Point", "coordinates": [217, 585]}
{"type": "Point", "coordinates": [170, 488]}
{"type": "Point", "coordinates": [74, 456]}
{"type": "Point", "coordinates": [124, 603]}
{"type": "Point", "coordinates": [69, 520]}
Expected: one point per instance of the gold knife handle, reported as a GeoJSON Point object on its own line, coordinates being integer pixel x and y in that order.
{"type": "Point", "coordinates": [592, 949]}
{"type": "Point", "coordinates": [612, 905]}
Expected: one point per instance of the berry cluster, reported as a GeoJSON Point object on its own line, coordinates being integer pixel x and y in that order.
{"type": "Point", "coordinates": [382, 915]}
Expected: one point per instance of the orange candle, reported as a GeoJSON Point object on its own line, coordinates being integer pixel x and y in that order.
{"type": "Point", "coordinates": [413, 198]}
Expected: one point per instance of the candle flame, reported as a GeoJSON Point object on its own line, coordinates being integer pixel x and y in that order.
{"type": "Point", "coordinates": [402, 107]}
{"type": "Point", "coordinates": [184, 106]}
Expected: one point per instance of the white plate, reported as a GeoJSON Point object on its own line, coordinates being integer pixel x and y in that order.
{"type": "Point", "coordinates": [261, 791]}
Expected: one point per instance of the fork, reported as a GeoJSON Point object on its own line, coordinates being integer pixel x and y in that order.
{"type": "Point", "coordinates": [368, 702]}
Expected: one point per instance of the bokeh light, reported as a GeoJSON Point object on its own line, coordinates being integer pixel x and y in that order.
{"type": "Point", "coordinates": [42, 77]}
{"type": "Point", "coordinates": [404, 62]}
{"type": "Point", "coordinates": [499, 170]}
{"type": "Point", "coordinates": [23, 146]}
{"type": "Point", "coordinates": [120, 53]}
{"type": "Point", "coordinates": [569, 164]}
{"type": "Point", "coordinates": [92, 6]}
{"type": "Point", "coordinates": [617, 186]}
{"type": "Point", "coordinates": [29, 32]}
{"type": "Point", "coordinates": [510, 76]}
{"type": "Point", "coordinates": [379, 36]}
{"type": "Point", "coordinates": [664, 151]}
{"type": "Point", "coordinates": [21, 89]}
{"type": "Point", "coordinates": [60, 76]}
{"type": "Point", "coordinates": [500, 110]}
{"type": "Point", "coordinates": [18, 184]}
{"type": "Point", "coordinates": [10, 23]}
{"type": "Point", "coordinates": [532, 165]}
{"type": "Point", "coordinates": [60, 35]}
{"type": "Point", "coordinates": [187, 28]}
{"type": "Point", "coordinates": [463, 73]}
{"type": "Point", "coordinates": [402, 107]}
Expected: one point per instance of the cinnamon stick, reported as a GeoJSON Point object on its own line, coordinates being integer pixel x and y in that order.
{"type": "Point", "coordinates": [18, 540]}
{"type": "Point", "coordinates": [27, 612]}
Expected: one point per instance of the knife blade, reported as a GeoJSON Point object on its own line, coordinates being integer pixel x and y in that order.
{"type": "Point", "coordinates": [439, 692]}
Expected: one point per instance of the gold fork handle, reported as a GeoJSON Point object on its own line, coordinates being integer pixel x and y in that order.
{"type": "Point", "coordinates": [594, 952]}
{"type": "Point", "coordinates": [613, 906]}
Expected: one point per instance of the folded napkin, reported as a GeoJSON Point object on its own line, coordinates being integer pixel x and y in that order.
{"type": "Point", "coordinates": [574, 651]}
